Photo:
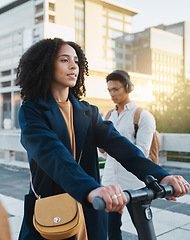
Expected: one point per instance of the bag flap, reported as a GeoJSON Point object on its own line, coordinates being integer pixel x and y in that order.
{"type": "Point", "coordinates": [55, 210]}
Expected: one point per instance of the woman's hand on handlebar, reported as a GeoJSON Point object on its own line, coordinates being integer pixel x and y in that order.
{"type": "Point", "coordinates": [113, 196]}
{"type": "Point", "coordinates": [180, 185]}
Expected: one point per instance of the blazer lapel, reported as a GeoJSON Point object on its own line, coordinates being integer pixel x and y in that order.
{"type": "Point", "coordinates": [55, 120]}
{"type": "Point", "coordinates": [81, 122]}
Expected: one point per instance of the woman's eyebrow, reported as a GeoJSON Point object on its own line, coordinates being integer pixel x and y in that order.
{"type": "Point", "coordinates": [67, 55]}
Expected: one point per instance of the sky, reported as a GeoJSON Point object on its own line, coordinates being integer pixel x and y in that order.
{"type": "Point", "coordinates": [152, 12]}
{"type": "Point", "coordinates": [155, 12]}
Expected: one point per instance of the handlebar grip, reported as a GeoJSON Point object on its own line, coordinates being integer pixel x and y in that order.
{"type": "Point", "coordinates": [128, 197]}
{"type": "Point", "coordinates": [168, 190]}
{"type": "Point", "coordinates": [98, 203]}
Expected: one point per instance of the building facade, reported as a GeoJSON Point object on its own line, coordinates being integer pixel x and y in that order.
{"type": "Point", "coordinates": [96, 25]}
{"type": "Point", "coordinates": [159, 53]}
{"type": "Point", "coordinates": [182, 29]}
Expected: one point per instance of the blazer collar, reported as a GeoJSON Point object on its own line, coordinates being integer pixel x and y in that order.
{"type": "Point", "coordinates": [81, 120]}
{"type": "Point", "coordinates": [50, 102]}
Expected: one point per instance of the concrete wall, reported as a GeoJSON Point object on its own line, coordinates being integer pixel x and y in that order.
{"type": "Point", "coordinates": [10, 143]}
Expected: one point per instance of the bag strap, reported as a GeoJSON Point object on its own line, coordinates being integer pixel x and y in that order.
{"type": "Point", "coordinates": [31, 182]}
{"type": "Point", "coordinates": [136, 119]}
{"type": "Point", "coordinates": [108, 114]}
{"type": "Point", "coordinates": [32, 187]}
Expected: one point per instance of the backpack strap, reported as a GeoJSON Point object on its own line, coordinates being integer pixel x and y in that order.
{"type": "Point", "coordinates": [108, 114]}
{"type": "Point", "coordinates": [136, 119]}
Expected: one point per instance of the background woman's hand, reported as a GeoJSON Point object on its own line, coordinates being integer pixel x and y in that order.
{"type": "Point", "coordinates": [113, 196]}
{"type": "Point", "coordinates": [180, 185]}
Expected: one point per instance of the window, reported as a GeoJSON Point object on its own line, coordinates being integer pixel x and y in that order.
{"type": "Point", "coordinates": [51, 6]}
{"type": "Point", "coordinates": [127, 57]}
{"type": "Point", "coordinates": [51, 19]}
{"type": "Point", "coordinates": [115, 24]}
{"type": "Point", "coordinates": [39, 19]}
{"type": "Point", "coordinates": [79, 23]}
{"type": "Point", "coordinates": [6, 73]}
{"type": "Point", "coordinates": [6, 84]}
{"type": "Point", "coordinates": [39, 8]}
{"type": "Point", "coordinates": [119, 65]}
{"type": "Point", "coordinates": [118, 45]}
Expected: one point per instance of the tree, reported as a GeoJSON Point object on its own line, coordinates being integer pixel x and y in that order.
{"type": "Point", "coordinates": [175, 114]}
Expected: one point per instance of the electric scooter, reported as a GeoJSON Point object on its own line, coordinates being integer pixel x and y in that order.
{"type": "Point", "coordinates": [140, 201]}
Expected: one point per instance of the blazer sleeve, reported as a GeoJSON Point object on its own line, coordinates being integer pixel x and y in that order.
{"type": "Point", "coordinates": [50, 154]}
{"type": "Point", "coordinates": [125, 152]}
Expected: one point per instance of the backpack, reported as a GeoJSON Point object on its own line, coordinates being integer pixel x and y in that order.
{"type": "Point", "coordinates": [155, 146]}
{"type": "Point", "coordinates": [108, 114]}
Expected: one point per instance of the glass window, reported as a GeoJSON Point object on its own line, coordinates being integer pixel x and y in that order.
{"type": "Point", "coordinates": [39, 19]}
{"type": "Point", "coordinates": [6, 84]}
{"type": "Point", "coordinates": [51, 6]}
{"type": "Point", "coordinates": [118, 45]}
{"type": "Point", "coordinates": [104, 21]}
{"type": "Point", "coordinates": [110, 53]}
{"type": "Point", "coordinates": [128, 57]}
{"type": "Point", "coordinates": [119, 65]}
{"type": "Point", "coordinates": [115, 24]}
{"type": "Point", "coordinates": [51, 19]}
{"type": "Point", "coordinates": [128, 47]}
{"type": "Point", "coordinates": [79, 25]}
{"type": "Point", "coordinates": [79, 13]}
{"type": "Point", "coordinates": [79, 3]}
{"type": "Point", "coordinates": [119, 55]}
{"type": "Point", "coordinates": [114, 33]}
{"type": "Point", "coordinates": [6, 73]}
{"type": "Point", "coordinates": [39, 8]}
{"type": "Point", "coordinates": [104, 31]}
{"type": "Point", "coordinates": [128, 28]}
{"type": "Point", "coordinates": [128, 67]}
{"type": "Point", "coordinates": [79, 22]}
{"type": "Point", "coordinates": [115, 15]}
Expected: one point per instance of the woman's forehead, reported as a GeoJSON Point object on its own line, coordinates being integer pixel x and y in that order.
{"type": "Point", "coordinates": [67, 50]}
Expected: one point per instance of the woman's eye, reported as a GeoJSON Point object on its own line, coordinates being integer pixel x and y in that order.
{"type": "Point", "coordinates": [64, 60]}
{"type": "Point", "coordinates": [77, 62]}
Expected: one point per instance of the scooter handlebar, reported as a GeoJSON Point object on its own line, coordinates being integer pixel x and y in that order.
{"type": "Point", "coordinates": [138, 195]}
{"type": "Point", "coordinates": [99, 203]}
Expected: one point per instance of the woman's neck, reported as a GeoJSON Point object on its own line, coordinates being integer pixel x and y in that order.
{"type": "Point", "coordinates": [61, 95]}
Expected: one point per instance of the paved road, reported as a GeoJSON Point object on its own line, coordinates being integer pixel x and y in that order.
{"type": "Point", "coordinates": [171, 219]}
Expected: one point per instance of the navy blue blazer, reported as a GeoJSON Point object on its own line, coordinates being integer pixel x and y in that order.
{"type": "Point", "coordinates": [45, 137]}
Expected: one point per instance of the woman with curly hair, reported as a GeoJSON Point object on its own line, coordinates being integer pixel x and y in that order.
{"type": "Point", "coordinates": [61, 135]}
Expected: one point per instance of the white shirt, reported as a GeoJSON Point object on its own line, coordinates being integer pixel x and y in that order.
{"type": "Point", "coordinates": [113, 172]}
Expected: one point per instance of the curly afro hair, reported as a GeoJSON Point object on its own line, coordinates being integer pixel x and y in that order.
{"type": "Point", "coordinates": [35, 68]}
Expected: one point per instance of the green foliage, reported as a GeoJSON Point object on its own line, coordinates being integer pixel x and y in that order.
{"type": "Point", "coordinates": [175, 116]}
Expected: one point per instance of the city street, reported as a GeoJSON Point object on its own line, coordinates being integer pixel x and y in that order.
{"type": "Point", "coordinates": [171, 219]}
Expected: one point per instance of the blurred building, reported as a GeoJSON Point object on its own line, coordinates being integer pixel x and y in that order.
{"type": "Point", "coordinates": [159, 53]}
{"type": "Point", "coordinates": [93, 24]}
{"type": "Point", "coordinates": [182, 29]}
{"type": "Point", "coordinates": [156, 58]}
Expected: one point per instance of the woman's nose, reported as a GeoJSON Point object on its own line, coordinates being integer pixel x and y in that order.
{"type": "Point", "coordinates": [73, 64]}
